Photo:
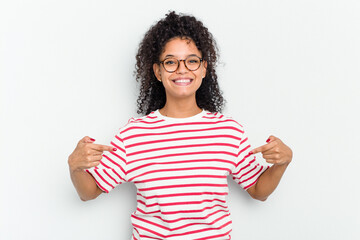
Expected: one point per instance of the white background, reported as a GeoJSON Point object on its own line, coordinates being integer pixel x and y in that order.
{"type": "Point", "coordinates": [287, 68]}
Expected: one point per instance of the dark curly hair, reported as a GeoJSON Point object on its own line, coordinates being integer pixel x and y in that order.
{"type": "Point", "coordinates": [152, 93]}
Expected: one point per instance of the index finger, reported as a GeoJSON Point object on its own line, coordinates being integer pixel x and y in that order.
{"type": "Point", "coordinates": [263, 148]}
{"type": "Point", "coordinates": [101, 148]}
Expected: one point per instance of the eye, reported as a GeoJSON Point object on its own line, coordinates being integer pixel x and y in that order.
{"type": "Point", "coordinates": [170, 62]}
{"type": "Point", "coordinates": [193, 61]}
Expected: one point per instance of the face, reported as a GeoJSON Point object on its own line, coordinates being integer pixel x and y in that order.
{"type": "Point", "coordinates": [182, 83]}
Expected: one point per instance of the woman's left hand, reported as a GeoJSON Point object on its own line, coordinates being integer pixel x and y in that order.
{"type": "Point", "coordinates": [275, 152]}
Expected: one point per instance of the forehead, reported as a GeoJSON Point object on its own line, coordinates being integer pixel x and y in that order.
{"type": "Point", "coordinates": [180, 47]}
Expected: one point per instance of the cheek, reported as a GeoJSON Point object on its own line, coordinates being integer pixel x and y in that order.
{"type": "Point", "coordinates": [164, 75]}
{"type": "Point", "coordinates": [202, 73]}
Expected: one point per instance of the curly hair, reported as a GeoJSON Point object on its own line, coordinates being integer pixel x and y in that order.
{"type": "Point", "coordinates": [152, 93]}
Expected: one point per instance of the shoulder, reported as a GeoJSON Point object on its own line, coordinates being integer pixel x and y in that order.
{"type": "Point", "coordinates": [225, 119]}
{"type": "Point", "coordinates": [147, 118]}
{"type": "Point", "coordinates": [139, 122]}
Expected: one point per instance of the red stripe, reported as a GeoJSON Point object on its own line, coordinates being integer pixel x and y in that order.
{"type": "Point", "coordinates": [241, 169]}
{"type": "Point", "coordinates": [118, 156]}
{"type": "Point", "coordinates": [186, 233]}
{"type": "Point", "coordinates": [149, 230]}
{"type": "Point", "coordinates": [145, 236]}
{"type": "Point", "coordinates": [117, 146]}
{"type": "Point", "coordinates": [183, 194]}
{"type": "Point", "coordinates": [115, 163]}
{"type": "Point", "coordinates": [151, 117]}
{"type": "Point", "coordinates": [252, 175]}
{"type": "Point", "coordinates": [178, 124]}
{"type": "Point", "coordinates": [189, 138]}
{"type": "Point", "coordinates": [103, 179]}
{"type": "Point", "coordinates": [102, 163]}
{"type": "Point", "coordinates": [216, 236]}
{"type": "Point", "coordinates": [180, 227]}
{"type": "Point", "coordinates": [244, 149]}
{"type": "Point", "coordinates": [118, 175]}
{"type": "Point", "coordinates": [181, 154]}
{"type": "Point", "coordinates": [180, 162]}
{"type": "Point", "coordinates": [180, 203]}
{"type": "Point", "coordinates": [182, 211]}
{"type": "Point", "coordinates": [110, 176]}
{"type": "Point", "coordinates": [179, 169]}
{"type": "Point", "coordinates": [102, 188]}
{"type": "Point", "coordinates": [248, 186]}
{"type": "Point", "coordinates": [179, 177]}
{"type": "Point", "coordinates": [183, 186]}
{"type": "Point", "coordinates": [143, 120]}
{"type": "Point", "coordinates": [182, 146]}
{"type": "Point", "coordinates": [214, 116]}
{"type": "Point", "coordinates": [204, 230]}
{"type": "Point", "coordinates": [177, 132]}
{"type": "Point", "coordinates": [244, 158]}
{"type": "Point", "coordinates": [246, 173]}
{"type": "Point", "coordinates": [244, 140]}
{"type": "Point", "coordinates": [191, 218]}
{"type": "Point", "coordinates": [181, 234]}
{"type": "Point", "coordinates": [106, 166]}
{"type": "Point", "coordinates": [157, 121]}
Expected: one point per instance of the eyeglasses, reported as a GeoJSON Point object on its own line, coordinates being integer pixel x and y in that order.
{"type": "Point", "coordinates": [192, 63]}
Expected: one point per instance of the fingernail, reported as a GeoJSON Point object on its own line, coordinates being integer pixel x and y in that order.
{"type": "Point", "coordinates": [268, 140]}
{"type": "Point", "coordinates": [114, 149]}
{"type": "Point", "coordinates": [92, 139]}
{"type": "Point", "coordinates": [251, 153]}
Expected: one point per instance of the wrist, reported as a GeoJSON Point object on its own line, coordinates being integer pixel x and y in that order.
{"type": "Point", "coordinates": [282, 165]}
{"type": "Point", "coordinates": [73, 168]}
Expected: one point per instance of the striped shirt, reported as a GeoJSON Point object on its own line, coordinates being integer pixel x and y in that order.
{"type": "Point", "coordinates": [180, 168]}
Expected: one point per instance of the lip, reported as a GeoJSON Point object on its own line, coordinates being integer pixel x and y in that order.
{"type": "Point", "coordinates": [182, 81]}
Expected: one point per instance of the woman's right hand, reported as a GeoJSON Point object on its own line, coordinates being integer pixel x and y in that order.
{"type": "Point", "coordinates": [87, 154]}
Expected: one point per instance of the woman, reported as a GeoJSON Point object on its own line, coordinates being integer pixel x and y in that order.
{"type": "Point", "coordinates": [180, 153]}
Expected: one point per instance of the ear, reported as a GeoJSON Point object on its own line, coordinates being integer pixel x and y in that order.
{"type": "Point", "coordinates": [205, 68]}
{"type": "Point", "coordinates": [156, 69]}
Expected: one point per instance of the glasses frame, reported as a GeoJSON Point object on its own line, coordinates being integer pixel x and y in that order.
{"type": "Point", "coordinates": [178, 63]}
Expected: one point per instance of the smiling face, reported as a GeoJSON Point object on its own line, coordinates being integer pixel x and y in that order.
{"type": "Point", "coordinates": [182, 83]}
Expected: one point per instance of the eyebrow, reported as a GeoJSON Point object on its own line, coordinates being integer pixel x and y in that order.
{"type": "Point", "coordinates": [170, 55]}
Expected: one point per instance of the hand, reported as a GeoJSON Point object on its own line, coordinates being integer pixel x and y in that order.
{"type": "Point", "coordinates": [87, 154]}
{"type": "Point", "coordinates": [275, 152]}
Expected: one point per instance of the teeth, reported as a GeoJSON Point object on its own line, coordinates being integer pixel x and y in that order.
{"type": "Point", "coordinates": [183, 80]}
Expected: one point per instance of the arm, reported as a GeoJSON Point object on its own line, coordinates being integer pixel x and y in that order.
{"type": "Point", "coordinates": [86, 155]}
{"type": "Point", "coordinates": [278, 154]}
{"type": "Point", "coordinates": [84, 184]}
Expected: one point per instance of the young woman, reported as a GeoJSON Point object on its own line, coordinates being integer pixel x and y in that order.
{"type": "Point", "coordinates": [180, 153]}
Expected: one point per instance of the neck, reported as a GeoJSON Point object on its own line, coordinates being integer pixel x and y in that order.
{"type": "Point", "coordinates": [180, 109]}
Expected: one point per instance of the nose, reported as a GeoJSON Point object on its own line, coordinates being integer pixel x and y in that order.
{"type": "Point", "coordinates": [182, 67]}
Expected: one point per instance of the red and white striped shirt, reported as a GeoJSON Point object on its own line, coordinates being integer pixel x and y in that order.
{"type": "Point", "coordinates": [180, 168]}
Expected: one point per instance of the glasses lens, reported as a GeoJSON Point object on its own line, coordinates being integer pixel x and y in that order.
{"type": "Point", "coordinates": [171, 64]}
{"type": "Point", "coordinates": [193, 63]}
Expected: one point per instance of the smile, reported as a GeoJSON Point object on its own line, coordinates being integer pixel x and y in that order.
{"type": "Point", "coordinates": [182, 82]}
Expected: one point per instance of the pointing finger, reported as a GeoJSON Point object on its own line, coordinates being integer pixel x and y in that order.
{"type": "Point", "coordinates": [263, 148]}
{"type": "Point", "coordinates": [259, 149]}
{"type": "Point", "coordinates": [102, 148]}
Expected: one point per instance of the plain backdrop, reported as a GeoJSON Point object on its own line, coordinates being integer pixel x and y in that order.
{"type": "Point", "coordinates": [287, 68]}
